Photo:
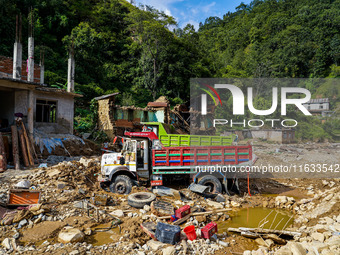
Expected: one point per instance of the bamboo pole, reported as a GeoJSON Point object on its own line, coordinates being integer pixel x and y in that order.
{"type": "Point", "coordinates": [23, 148]}
{"type": "Point", "coordinates": [265, 231]}
{"type": "Point", "coordinates": [15, 147]}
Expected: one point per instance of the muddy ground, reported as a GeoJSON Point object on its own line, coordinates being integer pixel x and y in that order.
{"type": "Point", "coordinates": [308, 206]}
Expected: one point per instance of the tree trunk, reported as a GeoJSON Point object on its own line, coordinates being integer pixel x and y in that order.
{"type": "Point", "coordinates": [154, 80]}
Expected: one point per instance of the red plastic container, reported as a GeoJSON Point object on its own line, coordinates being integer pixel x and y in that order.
{"type": "Point", "coordinates": [190, 232]}
{"type": "Point", "coordinates": [183, 211]}
{"type": "Point", "coordinates": [209, 230]}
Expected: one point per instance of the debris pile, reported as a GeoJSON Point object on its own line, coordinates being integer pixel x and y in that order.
{"type": "Point", "coordinates": [75, 215]}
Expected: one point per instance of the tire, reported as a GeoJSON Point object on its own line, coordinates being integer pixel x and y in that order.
{"type": "Point", "coordinates": [121, 184]}
{"type": "Point", "coordinates": [211, 181]}
{"type": "Point", "coordinates": [140, 199]}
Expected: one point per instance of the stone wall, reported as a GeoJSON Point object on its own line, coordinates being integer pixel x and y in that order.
{"type": "Point", "coordinates": [105, 121]}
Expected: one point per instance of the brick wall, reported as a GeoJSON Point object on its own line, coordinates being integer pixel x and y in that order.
{"type": "Point", "coordinates": [6, 69]}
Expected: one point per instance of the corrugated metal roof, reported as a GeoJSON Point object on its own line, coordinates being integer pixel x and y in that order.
{"type": "Point", "coordinates": [318, 101]}
{"type": "Point", "coordinates": [106, 96]}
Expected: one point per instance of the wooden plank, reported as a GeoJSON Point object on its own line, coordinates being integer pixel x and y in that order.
{"type": "Point", "coordinates": [146, 228]}
{"type": "Point", "coordinates": [185, 218]}
{"type": "Point", "coordinates": [23, 148]}
{"type": "Point", "coordinates": [264, 231]}
{"type": "Point", "coordinates": [28, 146]}
{"type": "Point", "coordinates": [3, 159]}
{"type": "Point", "coordinates": [15, 147]}
{"type": "Point", "coordinates": [199, 213]}
{"type": "Point", "coordinates": [33, 149]}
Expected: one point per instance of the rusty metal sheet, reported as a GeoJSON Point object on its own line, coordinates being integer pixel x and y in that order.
{"type": "Point", "coordinates": [23, 197]}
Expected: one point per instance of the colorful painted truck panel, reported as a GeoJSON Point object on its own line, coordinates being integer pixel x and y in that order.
{"type": "Point", "coordinates": [177, 158]}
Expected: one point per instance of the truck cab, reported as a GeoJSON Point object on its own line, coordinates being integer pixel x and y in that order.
{"type": "Point", "coordinates": [132, 162]}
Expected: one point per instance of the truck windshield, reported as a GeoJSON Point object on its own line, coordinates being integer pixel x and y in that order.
{"type": "Point", "coordinates": [129, 146]}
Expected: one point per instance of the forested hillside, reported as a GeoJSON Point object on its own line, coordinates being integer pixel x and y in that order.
{"type": "Point", "coordinates": [141, 52]}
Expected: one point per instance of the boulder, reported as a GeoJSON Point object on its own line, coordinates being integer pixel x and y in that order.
{"type": "Point", "coordinates": [338, 218]}
{"type": "Point", "coordinates": [235, 204]}
{"type": "Point", "coordinates": [170, 250]}
{"type": "Point", "coordinates": [9, 243]}
{"type": "Point", "coordinates": [61, 185]}
{"type": "Point", "coordinates": [54, 172]}
{"type": "Point", "coordinates": [269, 242]}
{"type": "Point", "coordinates": [276, 239]}
{"type": "Point", "coordinates": [220, 198]}
{"type": "Point", "coordinates": [118, 213]}
{"type": "Point", "coordinates": [24, 184]}
{"type": "Point", "coordinates": [318, 237]}
{"type": "Point", "coordinates": [296, 248]}
{"type": "Point", "coordinates": [280, 200]}
{"type": "Point", "coordinates": [283, 251]}
{"type": "Point", "coordinates": [155, 245]}
{"type": "Point", "coordinates": [70, 235]}
{"type": "Point", "coordinates": [214, 204]}
{"type": "Point", "coordinates": [260, 241]}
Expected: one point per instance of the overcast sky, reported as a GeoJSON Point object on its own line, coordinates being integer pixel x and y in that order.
{"type": "Point", "coordinates": [193, 11]}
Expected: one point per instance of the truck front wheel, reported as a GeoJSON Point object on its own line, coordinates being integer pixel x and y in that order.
{"type": "Point", "coordinates": [121, 184]}
{"type": "Point", "coordinates": [212, 182]}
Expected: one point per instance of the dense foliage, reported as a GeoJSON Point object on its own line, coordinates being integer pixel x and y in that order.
{"type": "Point", "coordinates": [143, 54]}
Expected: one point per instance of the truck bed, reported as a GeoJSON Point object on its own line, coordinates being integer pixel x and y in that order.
{"type": "Point", "coordinates": [175, 140]}
{"type": "Point", "coordinates": [175, 160]}
{"type": "Point", "coordinates": [179, 140]}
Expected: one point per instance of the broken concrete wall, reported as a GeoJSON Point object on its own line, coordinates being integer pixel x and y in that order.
{"type": "Point", "coordinates": [113, 119]}
{"type": "Point", "coordinates": [280, 136]}
{"type": "Point", "coordinates": [65, 113]}
{"type": "Point", "coordinates": [21, 102]}
{"type": "Point", "coordinates": [270, 135]}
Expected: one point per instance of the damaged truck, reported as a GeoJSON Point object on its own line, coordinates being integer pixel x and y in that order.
{"type": "Point", "coordinates": [153, 156]}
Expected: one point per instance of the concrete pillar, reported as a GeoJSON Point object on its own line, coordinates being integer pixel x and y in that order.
{"type": "Point", "coordinates": [17, 60]}
{"type": "Point", "coordinates": [30, 74]}
{"type": "Point", "coordinates": [42, 73]}
{"type": "Point", "coordinates": [30, 110]}
{"type": "Point", "coordinates": [70, 73]}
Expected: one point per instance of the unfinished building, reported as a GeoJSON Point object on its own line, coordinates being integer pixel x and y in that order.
{"type": "Point", "coordinates": [44, 108]}
{"type": "Point", "coordinates": [32, 112]}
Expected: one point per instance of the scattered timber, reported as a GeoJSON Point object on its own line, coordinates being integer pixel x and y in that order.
{"type": "Point", "coordinates": [185, 218]}
{"type": "Point", "coordinates": [198, 213]}
{"type": "Point", "coordinates": [28, 145]}
{"type": "Point", "coordinates": [23, 148]}
{"type": "Point", "coordinates": [15, 147]}
{"type": "Point", "coordinates": [253, 232]}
